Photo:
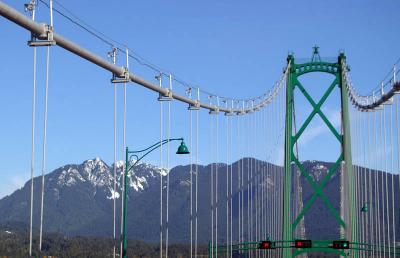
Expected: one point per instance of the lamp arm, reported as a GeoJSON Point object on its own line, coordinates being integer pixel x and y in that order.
{"type": "Point", "coordinates": [151, 149]}
{"type": "Point", "coordinates": [160, 143]}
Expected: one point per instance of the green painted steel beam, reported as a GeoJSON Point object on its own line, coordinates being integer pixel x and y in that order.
{"type": "Point", "coordinates": [346, 146]}
{"type": "Point", "coordinates": [318, 191]}
{"type": "Point", "coordinates": [317, 109]}
{"type": "Point", "coordinates": [287, 231]}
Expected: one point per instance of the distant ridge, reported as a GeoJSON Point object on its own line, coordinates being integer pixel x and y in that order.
{"type": "Point", "coordinates": [79, 201]}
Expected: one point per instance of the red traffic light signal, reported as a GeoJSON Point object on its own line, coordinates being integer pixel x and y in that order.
{"type": "Point", "coordinates": [265, 245]}
{"type": "Point", "coordinates": [302, 243]}
{"type": "Point", "coordinates": [341, 244]}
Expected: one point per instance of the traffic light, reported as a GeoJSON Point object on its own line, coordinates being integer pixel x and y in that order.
{"type": "Point", "coordinates": [302, 243]}
{"type": "Point", "coordinates": [341, 244]}
{"type": "Point", "coordinates": [266, 245]}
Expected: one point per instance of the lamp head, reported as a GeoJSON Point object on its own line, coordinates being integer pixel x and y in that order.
{"type": "Point", "coordinates": [183, 149]}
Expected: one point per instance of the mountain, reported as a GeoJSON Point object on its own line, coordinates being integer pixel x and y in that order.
{"type": "Point", "coordinates": [79, 200]}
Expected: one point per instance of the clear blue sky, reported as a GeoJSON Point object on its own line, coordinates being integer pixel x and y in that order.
{"type": "Point", "coordinates": [232, 48]}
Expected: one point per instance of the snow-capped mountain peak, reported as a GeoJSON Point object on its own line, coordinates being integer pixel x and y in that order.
{"type": "Point", "coordinates": [98, 174]}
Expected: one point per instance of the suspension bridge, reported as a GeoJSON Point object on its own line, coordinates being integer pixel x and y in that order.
{"type": "Point", "coordinates": [263, 192]}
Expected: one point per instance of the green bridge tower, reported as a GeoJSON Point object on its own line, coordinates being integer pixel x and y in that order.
{"type": "Point", "coordinates": [346, 216]}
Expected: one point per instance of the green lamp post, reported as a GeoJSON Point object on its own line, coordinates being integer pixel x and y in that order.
{"type": "Point", "coordinates": [182, 149]}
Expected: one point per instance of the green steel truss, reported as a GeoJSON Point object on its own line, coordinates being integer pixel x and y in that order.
{"type": "Point", "coordinates": [344, 159]}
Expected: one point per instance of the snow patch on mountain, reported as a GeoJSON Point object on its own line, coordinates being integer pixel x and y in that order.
{"type": "Point", "coordinates": [318, 171]}
{"type": "Point", "coordinates": [69, 177]}
{"type": "Point", "coordinates": [114, 195]}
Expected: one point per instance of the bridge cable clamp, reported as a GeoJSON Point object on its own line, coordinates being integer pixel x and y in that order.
{"type": "Point", "coordinates": [123, 78]}
{"type": "Point", "coordinates": [166, 96]}
{"type": "Point", "coordinates": [195, 106]}
{"type": "Point", "coordinates": [214, 111]}
{"type": "Point", "coordinates": [44, 39]}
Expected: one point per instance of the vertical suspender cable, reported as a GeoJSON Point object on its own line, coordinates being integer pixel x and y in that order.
{"type": "Point", "coordinates": [356, 154]}
{"type": "Point", "coordinates": [212, 186]}
{"type": "Point", "coordinates": [32, 149]}
{"type": "Point", "coordinates": [115, 161]}
{"type": "Point", "coordinates": [392, 171]}
{"type": "Point", "coordinates": [375, 207]}
{"type": "Point", "coordinates": [216, 185]}
{"type": "Point", "coordinates": [231, 185]}
{"type": "Point", "coordinates": [282, 143]}
{"type": "Point", "coordinates": [124, 107]}
{"type": "Point", "coordinates": [360, 178]}
{"type": "Point", "coordinates": [44, 146]}
{"type": "Point", "coordinates": [262, 178]}
{"type": "Point", "coordinates": [45, 131]}
{"type": "Point", "coordinates": [161, 177]}
{"type": "Point", "coordinates": [123, 140]}
{"type": "Point", "coordinates": [272, 174]}
{"type": "Point", "coordinates": [262, 174]}
{"type": "Point", "coordinates": [357, 192]}
{"type": "Point", "coordinates": [267, 199]}
{"type": "Point", "coordinates": [364, 177]}
{"type": "Point", "coordinates": [197, 181]}
{"type": "Point", "coordinates": [277, 172]}
{"type": "Point", "coordinates": [371, 235]}
{"type": "Point", "coordinates": [251, 179]}
{"type": "Point", "coordinates": [398, 140]}
{"type": "Point", "coordinates": [239, 180]}
{"type": "Point", "coordinates": [375, 184]}
{"type": "Point", "coordinates": [33, 138]}
{"type": "Point", "coordinates": [377, 195]}
{"type": "Point", "coordinates": [260, 181]}
{"type": "Point", "coordinates": [227, 186]}
{"type": "Point", "coordinates": [281, 165]}
{"type": "Point", "coordinates": [242, 148]}
{"type": "Point", "coordinates": [275, 175]}
{"type": "Point", "coordinates": [238, 175]}
{"type": "Point", "coordinates": [248, 181]}
{"type": "Point", "coordinates": [386, 183]}
{"type": "Point", "coordinates": [382, 187]}
{"type": "Point", "coordinates": [274, 199]}
{"type": "Point", "coordinates": [252, 183]}
{"type": "Point", "coordinates": [168, 169]}
{"type": "Point", "coordinates": [255, 178]}
{"type": "Point", "coordinates": [265, 178]}
{"type": "Point", "coordinates": [364, 182]}
{"type": "Point", "coordinates": [344, 184]}
{"type": "Point", "coordinates": [191, 186]}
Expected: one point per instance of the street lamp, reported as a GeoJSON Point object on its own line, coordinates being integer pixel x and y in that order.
{"type": "Point", "coordinates": [182, 149]}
